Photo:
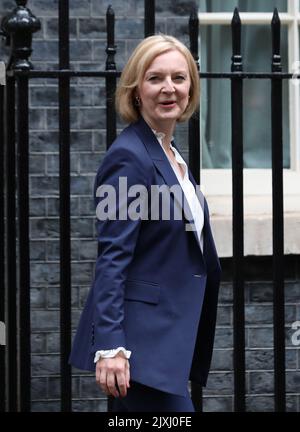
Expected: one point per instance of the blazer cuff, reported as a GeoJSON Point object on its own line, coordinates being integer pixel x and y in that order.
{"type": "Point", "coordinates": [111, 353]}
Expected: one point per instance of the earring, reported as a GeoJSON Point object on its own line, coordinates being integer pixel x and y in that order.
{"type": "Point", "coordinates": [137, 101]}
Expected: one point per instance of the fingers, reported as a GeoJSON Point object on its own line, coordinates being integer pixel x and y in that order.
{"type": "Point", "coordinates": [121, 383]}
{"type": "Point", "coordinates": [123, 378]}
{"type": "Point", "coordinates": [101, 379]}
{"type": "Point", "coordinates": [111, 384]}
{"type": "Point", "coordinates": [112, 375]}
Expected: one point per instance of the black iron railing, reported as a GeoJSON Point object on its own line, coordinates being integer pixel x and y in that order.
{"type": "Point", "coordinates": [15, 389]}
{"type": "Point", "coordinates": [277, 199]}
{"type": "Point", "coordinates": [238, 215]}
{"type": "Point", "coordinates": [64, 214]}
{"type": "Point", "coordinates": [2, 253]}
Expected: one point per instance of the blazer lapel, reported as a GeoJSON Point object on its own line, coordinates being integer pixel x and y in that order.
{"type": "Point", "coordinates": [199, 194]}
{"type": "Point", "coordinates": [162, 164]}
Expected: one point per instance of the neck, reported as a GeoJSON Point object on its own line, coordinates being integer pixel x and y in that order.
{"type": "Point", "coordinates": [166, 140]}
{"type": "Point", "coordinates": [165, 127]}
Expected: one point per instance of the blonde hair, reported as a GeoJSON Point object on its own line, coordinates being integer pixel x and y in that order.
{"type": "Point", "coordinates": [136, 67]}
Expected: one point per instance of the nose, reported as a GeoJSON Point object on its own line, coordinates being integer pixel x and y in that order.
{"type": "Point", "coordinates": [168, 86]}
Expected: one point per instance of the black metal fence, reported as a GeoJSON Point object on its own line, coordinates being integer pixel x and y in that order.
{"type": "Point", "coordinates": [18, 27]}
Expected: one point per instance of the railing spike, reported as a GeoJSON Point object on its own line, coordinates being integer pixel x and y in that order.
{"type": "Point", "coordinates": [111, 48]}
{"type": "Point", "coordinates": [236, 26]}
{"type": "Point", "coordinates": [194, 33]}
{"type": "Point", "coordinates": [21, 2]}
{"type": "Point", "coordinates": [194, 15]}
{"type": "Point", "coordinates": [149, 13]}
{"type": "Point", "coordinates": [276, 29]}
{"type": "Point", "coordinates": [19, 25]}
{"type": "Point", "coordinates": [110, 10]}
{"type": "Point", "coordinates": [236, 20]}
{"type": "Point", "coordinates": [275, 18]}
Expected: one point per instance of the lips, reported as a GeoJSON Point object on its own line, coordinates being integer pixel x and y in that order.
{"type": "Point", "coordinates": [167, 103]}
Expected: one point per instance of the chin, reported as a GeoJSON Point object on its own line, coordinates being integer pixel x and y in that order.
{"type": "Point", "coordinates": [171, 114]}
{"type": "Point", "coordinates": [171, 117]}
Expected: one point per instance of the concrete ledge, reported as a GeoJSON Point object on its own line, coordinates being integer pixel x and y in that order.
{"type": "Point", "coordinates": [257, 224]}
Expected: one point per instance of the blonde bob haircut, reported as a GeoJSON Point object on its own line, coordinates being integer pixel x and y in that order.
{"type": "Point", "coordinates": [136, 67]}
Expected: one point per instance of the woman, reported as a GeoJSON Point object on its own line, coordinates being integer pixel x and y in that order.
{"type": "Point", "coordinates": [153, 302]}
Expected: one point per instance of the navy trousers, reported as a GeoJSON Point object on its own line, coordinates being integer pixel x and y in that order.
{"type": "Point", "coordinates": [143, 398]}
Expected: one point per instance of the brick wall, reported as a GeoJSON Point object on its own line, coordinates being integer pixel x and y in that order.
{"type": "Point", "coordinates": [218, 395]}
{"type": "Point", "coordinates": [87, 51]}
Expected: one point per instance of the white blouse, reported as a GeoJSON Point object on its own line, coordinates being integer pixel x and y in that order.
{"type": "Point", "coordinates": [188, 189]}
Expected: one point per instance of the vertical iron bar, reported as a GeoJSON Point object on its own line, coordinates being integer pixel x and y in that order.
{"type": "Point", "coordinates": [64, 193]}
{"type": "Point", "coordinates": [10, 247]}
{"type": "Point", "coordinates": [24, 259]}
{"type": "Point", "coordinates": [194, 161]}
{"type": "Point", "coordinates": [2, 255]}
{"type": "Point", "coordinates": [110, 88]}
{"type": "Point", "coordinates": [197, 396]}
{"type": "Point", "coordinates": [238, 216]}
{"type": "Point", "coordinates": [194, 123]}
{"type": "Point", "coordinates": [110, 81]}
{"type": "Point", "coordinates": [278, 224]}
{"type": "Point", "coordinates": [149, 20]}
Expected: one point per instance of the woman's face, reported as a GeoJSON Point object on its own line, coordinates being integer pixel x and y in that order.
{"type": "Point", "coordinates": [164, 90]}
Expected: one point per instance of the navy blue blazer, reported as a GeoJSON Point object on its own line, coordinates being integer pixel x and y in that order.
{"type": "Point", "coordinates": [154, 291]}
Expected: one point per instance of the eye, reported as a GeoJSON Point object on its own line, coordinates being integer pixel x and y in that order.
{"type": "Point", "coordinates": [179, 78]}
{"type": "Point", "coordinates": [153, 78]}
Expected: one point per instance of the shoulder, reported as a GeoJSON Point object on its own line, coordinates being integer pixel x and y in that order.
{"type": "Point", "coordinates": [127, 155]}
{"type": "Point", "coordinates": [129, 142]}
{"type": "Point", "coordinates": [128, 145]}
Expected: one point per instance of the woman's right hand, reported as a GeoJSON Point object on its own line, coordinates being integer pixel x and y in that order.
{"type": "Point", "coordinates": [112, 373]}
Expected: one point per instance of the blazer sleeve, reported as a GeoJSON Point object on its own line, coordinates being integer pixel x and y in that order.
{"type": "Point", "coordinates": [117, 240]}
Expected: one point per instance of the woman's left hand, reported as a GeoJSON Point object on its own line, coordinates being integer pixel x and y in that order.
{"type": "Point", "coordinates": [112, 374]}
